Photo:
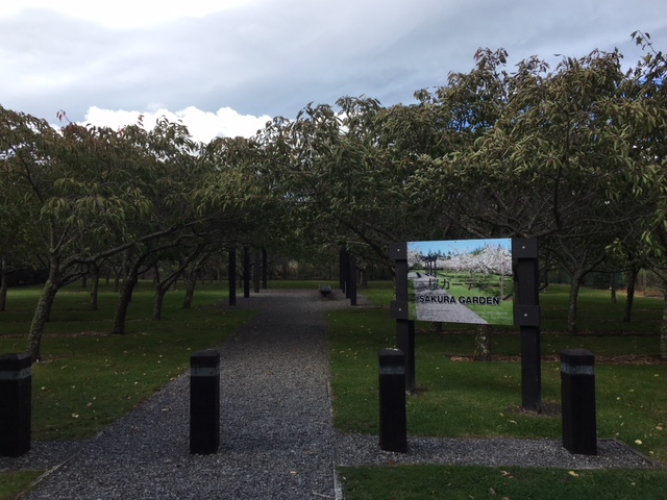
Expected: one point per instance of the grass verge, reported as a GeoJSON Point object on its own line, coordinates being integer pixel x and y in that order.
{"type": "Point", "coordinates": [457, 398]}
{"type": "Point", "coordinates": [13, 483]}
{"type": "Point", "coordinates": [88, 378]}
{"type": "Point", "coordinates": [428, 482]}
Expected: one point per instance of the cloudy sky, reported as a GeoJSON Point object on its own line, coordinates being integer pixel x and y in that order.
{"type": "Point", "coordinates": [226, 66]}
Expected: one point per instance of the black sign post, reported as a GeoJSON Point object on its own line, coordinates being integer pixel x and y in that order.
{"type": "Point", "coordinates": [347, 272]}
{"type": "Point", "coordinates": [258, 270]}
{"type": "Point", "coordinates": [352, 279]}
{"type": "Point", "coordinates": [342, 269]}
{"type": "Point", "coordinates": [405, 328]}
{"type": "Point", "coordinates": [246, 272]}
{"type": "Point", "coordinates": [527, 317]}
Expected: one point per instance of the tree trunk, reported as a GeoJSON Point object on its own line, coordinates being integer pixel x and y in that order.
{"type": "Point", "coordinates": [663, 331]}
{"type": "Point", "coordinates": [364, 278]}
{"type": "Point", "coordinates": [42, 312]}
{"type": "Point", "coordinates": [124, 304]}
{"type": "Point", "coordinates": [94, 290]}
{"type": "Point", "coordinates": [160, 292]}
{"type": "Point", "coordinates": [630, 293]}
{"type": "Point", "coordinates": [190, 289]}
{"type": "Point", "coordinates": [612, 287]}
{"type": "Point", "coordinates": [3, 284]}
{"type": "Point", "coordinates": [483, 343]}
{"type": "Point", "coordinates": [577, 279]}
{"type": "Point", "coordinates": [116, 281]}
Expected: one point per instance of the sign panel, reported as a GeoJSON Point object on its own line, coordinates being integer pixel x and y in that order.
{"type": "Point", "coordinates": [461, 281]}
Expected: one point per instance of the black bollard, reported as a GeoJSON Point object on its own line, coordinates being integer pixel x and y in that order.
{"type": "Point", "coordinates": [393, 419]}
{"type": "Point", "coordinates": [246, 272]}
{"type": "Point", "coordinates": [205, 402]}
{"type": "Point", "coordinates": [15, 404]}
{"type": "Point", "coordinates": [352, 280]}
{"type": "Point", "coordinates": [258, 270]}
{"type": "Point", "coordinates": [578, 400]}
{"type": "Point", "coordinates": [232, 277]}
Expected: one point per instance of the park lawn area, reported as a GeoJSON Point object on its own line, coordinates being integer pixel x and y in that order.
{"type": "Point", "coordinates": [89, 378]}
{"type": "Point", "coordinates": [13, 483]}
{"type": "Point", "coordinates": [458, 398]}
{"type": "Point", "coordinates": [428, 482]}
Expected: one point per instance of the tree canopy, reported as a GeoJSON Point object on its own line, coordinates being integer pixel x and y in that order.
{"type": "Point", "coordinates": [574, 156]}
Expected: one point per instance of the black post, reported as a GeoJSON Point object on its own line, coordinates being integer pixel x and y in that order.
{"type": "Point", "coordinates": [352, 279]}
{"type": "Point", "coordinates": [205, 402]}
{"type": "Point", "coordinates": [342, 273]}
{"type": "Point", "coordinates": [393, 418]}
{"type": "Point", "coordinates": [246, 272]}
{"type": "Point", "coordinates": [578, 399]}
{"type": "Point", "coordinates": [405, 327]}
{"type": "Point", "coordinates": [15, 404]}
{"type": "Point", "coordinates": [232, 277]}
{"type": "Point", "coordinates": [265, 269]}
{"type": "Point", "coordinates": [258, 269]}
{"type": "Point", "coordinates": [346, 265]}
{"type": "Point", "coordinates": [527, 316]}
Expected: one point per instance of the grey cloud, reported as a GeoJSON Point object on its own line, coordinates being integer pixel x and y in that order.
{"type": "Point", "coordinates": [275, 57]}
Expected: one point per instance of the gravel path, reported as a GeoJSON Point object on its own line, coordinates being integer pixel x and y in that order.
{"type": "Point", "coordinates": [277, 441]}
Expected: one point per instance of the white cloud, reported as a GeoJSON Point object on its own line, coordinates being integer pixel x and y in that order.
{"type": "Point", "coordinates": [203, 125]}
{"type": "Point", "coordinates": [125, 14]}
{"type": "Point", "coordinates": [268, 57]}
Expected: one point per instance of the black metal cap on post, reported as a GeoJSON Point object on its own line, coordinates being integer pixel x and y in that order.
{"type": "Point", "coordinates": [578, 401]}
{"type": "Point", "coordinates": [15, 404]}
{"type": "Point", "coordinates": [577, 362]}
{"type": "Point", "coordinates": [205, 402]}
{"type": "Point", "coordinates": [393, 418]}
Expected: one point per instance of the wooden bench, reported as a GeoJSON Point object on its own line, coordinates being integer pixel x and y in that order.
{"type": "Point", "coordinates": [325, 290]}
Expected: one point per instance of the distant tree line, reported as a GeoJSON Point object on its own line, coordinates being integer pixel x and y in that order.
{"type": "Point", "coordinates": [574, 156]}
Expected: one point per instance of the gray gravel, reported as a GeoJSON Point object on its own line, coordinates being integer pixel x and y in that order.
{"type": "Point", "coordinates": [277, 440]}
{"type": "Point", "coordinates": [500, 452]}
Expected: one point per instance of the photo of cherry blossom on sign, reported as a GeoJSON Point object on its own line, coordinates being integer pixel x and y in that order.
{"type": "Point", "coordinates": [461, 281]}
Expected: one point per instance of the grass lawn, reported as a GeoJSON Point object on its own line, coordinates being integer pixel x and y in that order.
{"type": "Point", "coordinates": [89, 378]}
{"type": "Point", "coordinates": [457, 398]}
{"type": "Point", "coordinates": [465, 483]}
{"type": "Point", "coordinates": [13, 483]}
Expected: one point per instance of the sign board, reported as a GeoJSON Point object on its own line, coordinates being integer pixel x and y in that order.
{"type": "Point", "coordinates": [461, 281]}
